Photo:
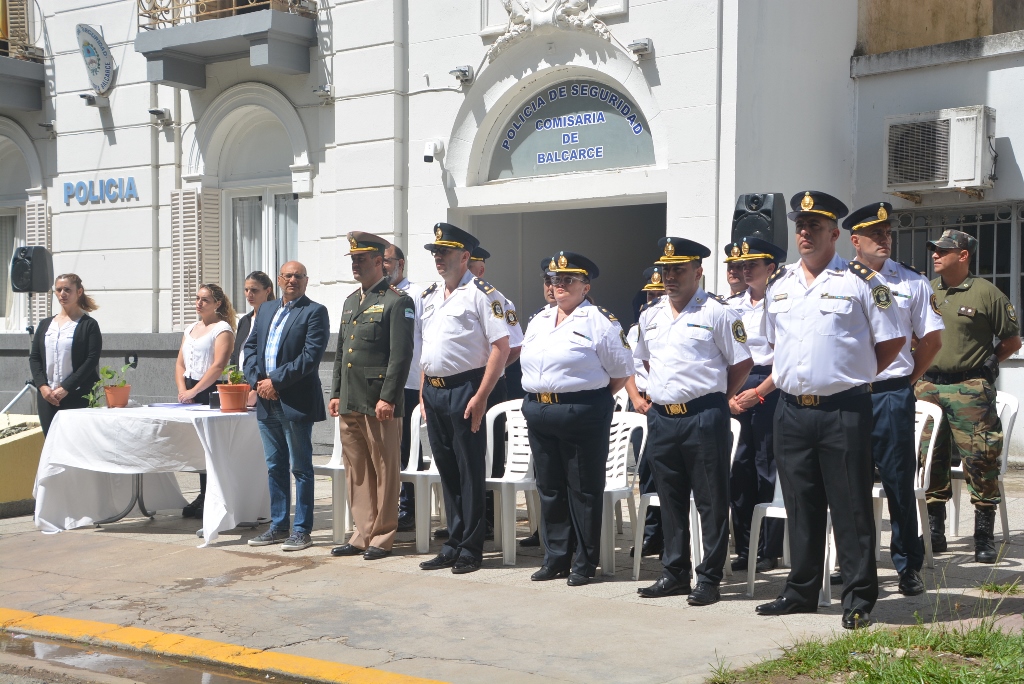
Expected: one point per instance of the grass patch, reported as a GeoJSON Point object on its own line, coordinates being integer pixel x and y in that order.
{"type": "Point", "coordinates": [1006, 588]}
{"type": "Point", "coordinates": [937, 654]}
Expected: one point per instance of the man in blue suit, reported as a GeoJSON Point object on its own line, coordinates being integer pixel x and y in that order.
{"type": "Point", "coordinates": [282, 363]}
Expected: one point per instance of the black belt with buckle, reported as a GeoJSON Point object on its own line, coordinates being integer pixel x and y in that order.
{"type": "Point", "coordinates": [713, 400]}
{"type": "Point", "coordinates": [890, 385]}
{"type": "Point", "coordinates": [816, 400]}
{"type": "Point", "coordinates": [761, 370]}
{"type": "Point", "coordinates": [581, 397]}
{"type": "Point", "coordinates": [453, 381]}
{"type": "Point", "coordinates": [954, 378]}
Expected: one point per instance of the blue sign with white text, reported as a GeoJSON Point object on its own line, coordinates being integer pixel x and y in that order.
{"type": "Point", "coordinates": [101, 191]}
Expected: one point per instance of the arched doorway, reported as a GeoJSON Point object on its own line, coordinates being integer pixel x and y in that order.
{"type": "Point", "coordinates": [20, 178]}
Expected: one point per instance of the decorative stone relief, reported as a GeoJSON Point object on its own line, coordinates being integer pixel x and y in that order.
{"type": "Point", "coordinates": [526, 16]}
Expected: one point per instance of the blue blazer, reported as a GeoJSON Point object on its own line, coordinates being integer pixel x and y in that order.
{"type": "Point", "coordinates": [297, 376]}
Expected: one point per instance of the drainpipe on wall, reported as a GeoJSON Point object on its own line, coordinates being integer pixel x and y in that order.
{"type": "Point", "coordinates": [154, 178]}
{"type": "Point", "coordinates": [718, 141]}
{"type": "Point", "coordinates": [401, 65]}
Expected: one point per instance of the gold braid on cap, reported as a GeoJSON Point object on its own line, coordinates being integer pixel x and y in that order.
{"type": "Point", "coordinates": [449, 243]}
{"type": "Point", "coordinates": [881, 217]}
{"type": "Point", "coordinates": [807, 205]}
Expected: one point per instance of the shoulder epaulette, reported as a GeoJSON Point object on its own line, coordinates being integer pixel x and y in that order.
{"type": "Point", "coordinates": [862, 271]}
{"type": "Point", "coordinates": [910, 268]}
{"type": "Point", "coordinates": [734, 296]}
{"type": "Point", "coordinates": [483, 286]}
{"type": "Point", "coordinates": [608, 314]}
{"type": "Point", "coordinates": [718, 298]}
{"type": "Point", "coordinates": [534, 314]}
{"type": "Point", "coordinates": [778, 274]}
{"type": "Point", "coordinates": [649, 304]}
{"type": "Point", "coordinates": [358, 289]}
{"type": "Point", "coordinates": [429, 290]}
{"type": "Point", "coordinates": [396, 290]}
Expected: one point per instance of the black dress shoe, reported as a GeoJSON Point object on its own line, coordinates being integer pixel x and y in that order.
{"type": "Point", "coordinates": [346, 550]}
{"type": "Point", "coordinates": [548, 573]}
{"type": "Point", "coordinates": [784, 606]}
{"type": "Point", "coordinates": [766, 564]}
{"type": "Point", "coordinates": [532, 540]}
{"type": "Point", "coordinates": [741, 563]}
{"type": "Point", "coordinates": [438, 562]}
{"type": "Point", "coordinates": [375, 553]}
{"type": "Point", "coordinates": [465, 565]}
{"type": "Point", "coordinates": [911, 583]}
{"type": "Point", "coordinates": [664, 587]}
{"type": "Point", "coordinates": [489, 534]}
{"type": "Point", "coordinates": [441, 533]}
{"type": "Point", "coordinates": [577, 580]}
{"type": "Point", "coordinates": [406, 522]}
{"type": "Point", "coordinates": [835, 579]}
{"type": "Point", "coordinates": [194, 509]}
{"type": "Point", "coordinates": [705, 594]}
{"type": "Point", "coordinates": [856, 618]}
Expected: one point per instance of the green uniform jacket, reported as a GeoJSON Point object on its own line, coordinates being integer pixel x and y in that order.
{"type": "Point", "coordinates": [374, 350]}
{"type": "Point", "coordinates": [973, 312]}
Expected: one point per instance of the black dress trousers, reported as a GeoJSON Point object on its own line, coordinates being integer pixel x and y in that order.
{"type": "Point", "coordinates": [823, 455]}
{"type": "Point", "coordinates": [691, 453]}
{"type": "Point", "coordinates": [753, 472]}
{"type": "Point", "coordinates": [460, 454]}
{"type": "Point", "coordinates": [570, 454]}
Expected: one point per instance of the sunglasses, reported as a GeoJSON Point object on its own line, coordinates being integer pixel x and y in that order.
{"type": "Point", "coordinates": [561, 281]}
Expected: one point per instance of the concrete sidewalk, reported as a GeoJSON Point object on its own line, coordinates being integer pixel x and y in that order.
{"type": "Point", "coordinates": [494, 625]}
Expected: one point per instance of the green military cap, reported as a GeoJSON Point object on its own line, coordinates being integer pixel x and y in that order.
{"type": "Point", "coordinates": [954, 239]}
{"type": "Point", "coordinates": [360, 243]}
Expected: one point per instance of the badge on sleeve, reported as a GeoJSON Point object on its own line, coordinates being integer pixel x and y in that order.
{"type": "Point", "coordinates": [882, 297]}
{"type": "Point", "coordinates": [511, 318]}
{"type": "Point", "coordinates": [739, 333]}
{"type": "Point", "coordinates": [409, 313]}
{"type": "Point", "coordinates": [496, 310]}
{"type": "Point", "coordinates": [1010, 312]}
{"type": "Point", "coordinates": [625, 341]}
{"type": "Point", "coordinates": [935, 306]}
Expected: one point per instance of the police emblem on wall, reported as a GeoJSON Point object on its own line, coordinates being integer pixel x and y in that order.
{"type": "Point", "coordinates": [99, 63]}
{"type": "Point", "coordinates": [882, 297]}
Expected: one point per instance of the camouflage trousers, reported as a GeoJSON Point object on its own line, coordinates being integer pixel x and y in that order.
{"type": "Point", "coordinates": [970, 434]}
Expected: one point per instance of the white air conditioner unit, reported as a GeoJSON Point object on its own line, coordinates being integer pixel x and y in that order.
{"type": "Point", "coordinates": [950, 149]}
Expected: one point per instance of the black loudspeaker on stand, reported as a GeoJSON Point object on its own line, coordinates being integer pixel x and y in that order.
{"type": "Point", "coordinates": [31, 270]}
{"type": "Point", "coordinates": [763, 216]}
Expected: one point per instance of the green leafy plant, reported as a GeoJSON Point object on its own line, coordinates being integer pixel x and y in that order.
{"type": "Point", "coordinates": [234, 376]}
{"type": "Point", "coordinates": [108, 378]}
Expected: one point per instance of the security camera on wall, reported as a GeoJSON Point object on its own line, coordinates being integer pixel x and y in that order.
{"type": "Point", "coordinates": [433, 148]}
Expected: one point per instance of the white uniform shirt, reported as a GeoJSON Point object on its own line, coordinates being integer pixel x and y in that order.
{"type": "Point", "coordinates": [639, 371]}
{"type": "Point", "coordinates": [913, 297]}
{"type": "Point", "coordinates": [583, 353]}
{"type": "Point", "coordinates": [825, 332]}
{"type": "Point", "coordinates": [58, 352]}
{"type": "Point", "coordinates": [690, 354]}
{"type": "Point", "coordinates": [414, 291]}
{"type": "Point", "coordinates": [515, 329]}
{"type": "Point", "coordinates": [456, 334]}
{"type": "Point", "coordinates": [760, 351]}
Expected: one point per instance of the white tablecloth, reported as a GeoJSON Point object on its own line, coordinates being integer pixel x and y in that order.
{"type": "Point", "coordinates": [90, 455]}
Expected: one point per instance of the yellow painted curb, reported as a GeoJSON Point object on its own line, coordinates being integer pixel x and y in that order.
{"type": "Point", "coordinates": [162, 643]}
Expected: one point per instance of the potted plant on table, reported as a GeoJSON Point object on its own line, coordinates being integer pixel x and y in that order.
{"type": "Point", "coordinates": [234, 393]}
{"type": "Point", "coordinates": [115, 387]}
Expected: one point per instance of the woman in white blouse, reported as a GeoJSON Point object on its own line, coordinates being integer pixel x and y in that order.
{"type": "Point", "coordinates": [205, 350]}
{"type": "Point", "coordinates": [65, 351]}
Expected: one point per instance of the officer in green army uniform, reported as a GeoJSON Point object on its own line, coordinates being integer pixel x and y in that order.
{"type": "Point", "coordinates": [368, 398]}
{"type": "Point", "coordinates": [961, 380]}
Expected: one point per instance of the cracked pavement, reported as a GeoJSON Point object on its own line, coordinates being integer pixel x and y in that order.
{"type": "Point", "coordinates": [494, 625]}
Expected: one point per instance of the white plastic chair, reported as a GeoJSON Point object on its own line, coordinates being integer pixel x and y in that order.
{"type": "Point", "coordinates": [696, 541]}
{"type": "Point", "coordinates": [341, 514]}
{"type": "Point", "coordinates": [621, 400]}
{"type": "Point", "coordinates": [1006, 406]}
{"type": "Point", "coordinates": [617, 484]}
{"type": "Point", "coordinates": [426, 484]}
{"type": "Point", "coordinates": [518, 476]}
{"type": "Point", "coordinates": [924, 411]}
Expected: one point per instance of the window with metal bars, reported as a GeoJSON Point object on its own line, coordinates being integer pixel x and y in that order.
{"type": "Point", "coordinates": [996, 226]}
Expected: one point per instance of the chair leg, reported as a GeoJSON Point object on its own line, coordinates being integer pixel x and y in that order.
{"type": "Point", "coordinates": [508, 524]}
{"type": "Point", "coordinates": [339, 509]}
{"type": "Point", "coordinates": [631, 505]}
{"type": "Point", "coordinates": [696, 539]}
{"type": "Point", "coordinates": [499, 528]}
{"type": "Point", "coordinates": [607, 539]}
{"type": "Point", "coordinates": [755, 538]}
{"type": "Point", "coordinates": [877, 505]}
{"type": "Point", "coordinates": [825, 596]}
{"type": "Point", "coordinates": [421, 490]}
{"type": "Point", "coordinates": [922, 524]}
{"type": "Point", "coordinates": [617, 506]}
{"type": "Point", "coordinates": [785, 545]}
{"type": "Point", "coordinates": [1003, 517]}
{"type": "Point", "coordinates": [638, 538]}
{"type": "Point", "coordinates": [955, 501]}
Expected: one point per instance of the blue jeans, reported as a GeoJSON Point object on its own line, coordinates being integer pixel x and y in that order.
{"type": "Point", "coordinates": [284, 442]}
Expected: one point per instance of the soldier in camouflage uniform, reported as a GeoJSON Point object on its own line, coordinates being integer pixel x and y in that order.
{"type": "Point", "coordinates": [961, 380]}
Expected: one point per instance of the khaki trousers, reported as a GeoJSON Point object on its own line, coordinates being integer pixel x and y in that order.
{"type": "Point", "coordinates": [371, 450]}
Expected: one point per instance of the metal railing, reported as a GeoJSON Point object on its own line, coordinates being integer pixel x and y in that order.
{"type": "Point", "coordinates": [158, 14]}
{"type": "Point", "coordinates": [15, 35]}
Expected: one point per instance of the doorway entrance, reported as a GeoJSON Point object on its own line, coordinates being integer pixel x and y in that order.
{"type": "Point", "coordinates": [622, 241]}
